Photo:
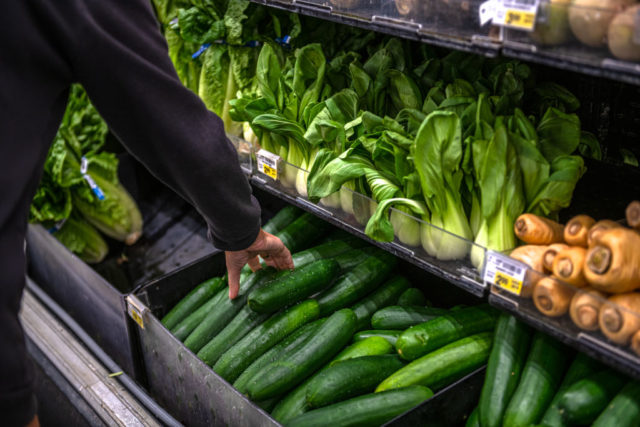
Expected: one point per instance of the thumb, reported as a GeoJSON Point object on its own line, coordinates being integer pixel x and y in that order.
{"type": "Point", "coordinates": [234, 278]}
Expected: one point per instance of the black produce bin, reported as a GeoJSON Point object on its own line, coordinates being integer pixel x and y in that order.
{"type": "Point", "coordinates": [188, 389]}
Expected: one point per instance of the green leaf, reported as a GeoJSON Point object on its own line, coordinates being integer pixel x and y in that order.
{"type": "Point", "coordinates": [559, 134]}
{"type": "Point", "coordinates": [379, 226]}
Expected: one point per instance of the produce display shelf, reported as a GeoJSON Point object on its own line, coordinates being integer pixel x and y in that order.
{"type": "Point", "coordinates": [454, 272]}
{"type": "Point", "coordinates": [593, 344]}
{"type": "Point", "coordinates": [380, 22]}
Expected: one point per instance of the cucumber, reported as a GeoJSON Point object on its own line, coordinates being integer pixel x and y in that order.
{"type": "Point", "coordinates": [624, 409]}
{"type": "Point", "coordinates": [282, 219]}
{"type": "Point", "coordinates": [372, 409]}
{"type": "Point", "coordinates": [387, 294]}
{"type": "Point", "coordinates": [390, 335]}
{"type": "Point", "coordinates": [582, 402]}
{"type": "Point", "coordinates": [357, 283]}
{"type": "Point", "coordinates": [225, 310]}
{"type": "Point", "coordinates": [302, 232]}
{"type": "Point", "coordinates": [263, 337]}
{"type": "Point", "coordinates": [401, 318]}
{"type": "Point", "coordinates": [428, 336]}
{"type": "Point", "coordinates": [194, 299]}
{"type": "Point", "coordinates": [411, 297]}
{"type": "Point", "coordinates": [541, 376]}
{"type": "Point", "coordinates": [292, 369]}
{"type": "Point", "coordinates": [443, 366]}
{"type": "Point", "coordinates": [294, 287]}
{"type": "Point", "coordinates": [352, 258]}
{"type": "Point", "coordinates": [295, 403]}
{"type": "Point", "coordinates": [245, 321]}
{"type": "Point", "coordinates": [274, 353]}
{"type": "Point", "coordinates": [326, 250]}
{"type": "Point", "coordinates": [581, 367]}
{"type": "Point", "coordinates": [350, 378]}
{"type": "Point", "coordinates": [189, 323]}
{"type": "Point", "coordinates": [508, 355]}
{"type": "Point", "coordinates": [473, 420]}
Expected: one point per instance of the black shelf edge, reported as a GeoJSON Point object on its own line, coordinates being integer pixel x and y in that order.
{"type": "Point", "coordinates": [481, 46]}
{"type": "Point", "coordinates": [472, 285]}
{"type": "Point", "coordinates": [599, 350]}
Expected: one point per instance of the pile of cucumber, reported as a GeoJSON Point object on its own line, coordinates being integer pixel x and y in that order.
{"type": "Point", "coordinates": [532, 379]}
{"type": "Point", "coordinates": [340, 340]}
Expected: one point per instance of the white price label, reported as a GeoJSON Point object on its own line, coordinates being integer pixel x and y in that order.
{"type": "Point", "coordinates": [268, 163]}
{"type": "Point", "coordinates": [504, 272]}
{"type": "Point", "coordinates": [518, 14]}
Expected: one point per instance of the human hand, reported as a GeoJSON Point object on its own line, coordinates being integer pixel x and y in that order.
{"type": "Point", "coordinates": [269, 247]}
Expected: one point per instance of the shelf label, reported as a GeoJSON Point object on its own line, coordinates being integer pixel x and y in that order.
{"type": "Point", "coordinates": [518, 14]}
{"type": "Point", "coordinates": [504, 272]}
{"type": "Point", "coordinates": [135, 314]}
{"type": "Point", "coordinates": [268, 163]}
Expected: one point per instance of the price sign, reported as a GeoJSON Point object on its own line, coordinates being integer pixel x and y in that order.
{"type": "Point", "coordinates": [268, 163]}
{"type": "Point", "coordinates": [504, 272]}
{"type": "Point", "coordinates": [518, 14]}
{"type": "Point", "coordinates": [135, 314]}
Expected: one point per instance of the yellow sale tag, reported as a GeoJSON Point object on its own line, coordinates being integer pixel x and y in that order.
{"type": "Point", "coordinates": [135, 315]}
{"type": "Point", "coordinates": [508, 283]}
{"type": "Point", "coordinates": [268, 163]}
{"type": "Point", "coordinates": [520, 19]}
{"type": "Point", "coordinates": [269, 171]}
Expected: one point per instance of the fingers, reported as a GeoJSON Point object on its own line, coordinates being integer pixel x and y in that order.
{"type": "Point", "coordinates": [234, 275]}
{"type": "Point", "coordinates": [254, 264]}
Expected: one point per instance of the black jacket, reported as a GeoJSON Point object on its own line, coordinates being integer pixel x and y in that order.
{"type": "Point", "coordinates": [115, 49]}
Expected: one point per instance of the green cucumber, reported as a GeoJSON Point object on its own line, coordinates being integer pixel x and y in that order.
{"type": "Point", "coordinates": [387, 294]}
{"type": "Point", "coordinates": [582, 402]}
{"type": "Point", "coordinates": [428, 336]}
{"type": "Point", "coordinates": [294, 287]}
{"type": "Point", "coordinates": [326, 250]}
{"type": "Point", "coordinates": [357, 283]}
{"type": "Point", "coordinates": [302, 232]}
{"type": "Point", "coordinates": [390, 335]}
{"type": "Point", "coordinates": [581, 367]}
{"type": "Point", "coordinates": [372, 409]}
{"type": "Point", "coordinates": [263, 337]}
{"type": "Point", "coordinates": [350, 259]}
{"type": "Point", "coordinates": [245, 321]}
{"type": "Point", "coordinates": [292, 369]}
{"type": "Point", "coordinates": [285, 346]}
{"type": "Point", "coordinates": [473, 420]}
{"type": "Point", "coordinates": [194, 299]}
{"type": "Point", "coordinates": [350, 378]}
{"type": "Point", "coordinates": [624, 409]}
{"type": "Point", "coordinates": [295, 403]}
{"type": "Point", "coordinates": [508, 355]}
{"type": "Point", "coordinates": [401, 318]}
{"type": "Point", "coordinates": [440, 368]}
{"type": "Point", "coordinates": [183, 329]}
{"type": "Point", "coordinates": [412, 297]}
{"type": "Point", "coordinates": [282, 219]}
{"type": "Point", "coordinates": [225, 310]}
{"type": "Point", "coordinates": [541, 376]}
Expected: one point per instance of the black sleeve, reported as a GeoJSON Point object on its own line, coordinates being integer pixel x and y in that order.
{"type": "Point", "coordinates": [122, 61]}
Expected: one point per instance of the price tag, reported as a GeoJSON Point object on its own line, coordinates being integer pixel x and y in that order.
{"type": "Point", "coordinates": [268, 163]}
{"type": "Point", "coordinates": [504, 272]}
{"type": "Point", "coordinates": [518, 14]}
{"type": "Point", "coordinates": [135, 314]}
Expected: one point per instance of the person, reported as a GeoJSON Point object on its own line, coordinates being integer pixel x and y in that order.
{"type": "Point", "coordinates": [116, 51]}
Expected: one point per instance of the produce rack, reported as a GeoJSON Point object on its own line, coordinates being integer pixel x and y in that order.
{"type": "Point", "coordinates": [456, 25]}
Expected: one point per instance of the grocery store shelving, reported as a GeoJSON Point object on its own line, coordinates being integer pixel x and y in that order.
{"type": "Point", "coordinates": [375, 19]}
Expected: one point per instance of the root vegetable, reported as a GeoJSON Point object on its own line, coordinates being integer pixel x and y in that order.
{"type": "Point", "coordinates": [620, 35]}
{"type": "Point", "coordinates": [600, 227]}
{"type": "Point", "coordinates": [585, 308]}
{"type": "Point", "coordinates": [569, 265]}
{"type": "Point", "coordinates": [536, 230]}
{"type": "Point", "coordinates": [589, 19]}
{"type": "Point", "coordinates": [531, 255]}
{"type": "Point", "coordinates": [550, 254]}
{"type": "Point", "coordinates": [620, 317]}
{"type": "Point", "coordinates": [633, 215]}
{"type": "Point", "coordinates": [412, 8]}
{"type": "Point", "coordinates": [555, 30]}
{"type": "Point", "coordinates": [635, 343]}
{"type": "Point", "coordinates": [613, 262]}
{"type": "Point", "coordinates": [552, 297]}
{"type": "Point", "coordinates": [577, 230]}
